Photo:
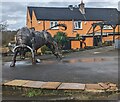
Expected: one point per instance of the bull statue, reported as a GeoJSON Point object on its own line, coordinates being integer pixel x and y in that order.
{"type": "Point", "coordinates": [31, 40]}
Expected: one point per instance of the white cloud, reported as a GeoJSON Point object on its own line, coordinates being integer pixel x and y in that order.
{"type": "Point", "coordinates": [28, 1]}
{"type": "Point", "coordinates": [101, 1]}
{"type": "Point", "coordinates": [12, 15]}
{"type": "Point", "coordinates": [11, 22]}
{"type": "Point", "coordinates": [14, 12]}
{"type": "Point", "coordinates": [119, 6]}
{"type": "Point", "coordinates": [59, 1]}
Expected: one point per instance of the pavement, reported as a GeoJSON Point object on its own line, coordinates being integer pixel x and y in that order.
{"type": "Point", "coordinates": [100, 87]}
{"type": "Point", "coordinates": [90, 66]}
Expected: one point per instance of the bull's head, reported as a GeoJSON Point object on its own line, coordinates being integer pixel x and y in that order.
{"type": "Point", "coordinates": [23, 42]}
{"type": "Point", "coordinates": [23, 36]}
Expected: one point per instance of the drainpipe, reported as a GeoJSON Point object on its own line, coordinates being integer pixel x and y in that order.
{"type": "Point", "coordinates": [31, 23]}
{"type": "Point", "coordinates": [72, 26]}
{"type": "Point", "coordinates": [43, 25]}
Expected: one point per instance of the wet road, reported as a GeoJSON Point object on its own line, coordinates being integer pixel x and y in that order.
{"type": "Point", "coordinates": [83, 68]}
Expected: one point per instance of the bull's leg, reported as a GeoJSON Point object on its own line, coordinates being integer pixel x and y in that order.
{"type": "Point", "coordinates": [14, 59]}
{"type": "Point", "coordinates": [22, 54]}
{"type": "Point", "coordinates": [33, 56]}
{"type": "Point", "coordinates": [33, 59]}
{"type": "Point", "coordinates": [58, 56]}
{"type": "Point", "coordinates": [55, 50]}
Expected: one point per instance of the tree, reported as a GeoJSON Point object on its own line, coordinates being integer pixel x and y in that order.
{"type": "Point", "coordinates": [3, 26]}
{"type": "Point", "coordinates": [78, 37]}
{"type": "Point", "coordinates": [81, 39]}
{"type": "Point", "coordinates": [61, 39]}
{"type": "Point", "coordinates": [8, 36]}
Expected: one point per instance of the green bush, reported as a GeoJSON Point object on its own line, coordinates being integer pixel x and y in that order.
{"type": "Point", "coordinates": [61, 39]}
{"type": "Point", "coordinates": [107, 43]}
{"type": "Point", "coordinates": [8, 36]}
{"type": "Point", "coordinates": [44, 49]}
{"type": "Point", "coordinates": [78, 37]}
{"type": "Point", "coordinates": [90, 47]}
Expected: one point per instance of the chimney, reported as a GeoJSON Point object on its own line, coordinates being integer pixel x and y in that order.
{"type": "Point", "coordinates": [76, 6]}
{"type": "Point", "coordinates": [82, 7]}
{"type": "Point", "coordinates": [70, 7]}
{"type": "Point", "coordinates": [119, 6]}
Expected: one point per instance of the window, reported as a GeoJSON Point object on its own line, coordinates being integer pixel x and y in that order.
{"type": "Point", "coordinates": [107, 27]}
{"type": "Point", "coordinates": [77, 25]}
{"type": "Point", "coordinates": [53, 23]}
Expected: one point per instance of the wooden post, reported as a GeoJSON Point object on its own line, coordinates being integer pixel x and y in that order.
{"type": "Point", "coordinates": [114, 27]}
{"type": "Point", "coordinates": [93, 36]}
{"type": "Point", "coordinates": [94, 26]}
{"type": "Point", "coordinates": [101, 27]}
{"type": "Point", "coordinates": [118, 29]}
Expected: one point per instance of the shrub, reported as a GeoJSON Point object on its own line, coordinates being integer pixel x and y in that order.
{"type": "Point", "coordinates": [44, 49]}
{"type": "Point", "coordinates": [107, 43]}
{"type": "Point", "coordinates": [61, 39]}
{"type": "Point", "coordinates": [7, 37]}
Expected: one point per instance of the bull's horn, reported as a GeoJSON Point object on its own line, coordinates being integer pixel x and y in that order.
{"type": "Point", "coordinates": [18, 46]}
{"type": "Point", "coordinates": [15, 48]}
{"type": "Point", "coordinates": [31, 51]}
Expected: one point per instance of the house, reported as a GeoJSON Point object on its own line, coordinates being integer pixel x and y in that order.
{"type": "Point", "coordinates": [42, 18]}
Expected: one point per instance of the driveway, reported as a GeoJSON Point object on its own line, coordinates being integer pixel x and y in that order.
{"type": "Point", "coordinates": [91, 66]}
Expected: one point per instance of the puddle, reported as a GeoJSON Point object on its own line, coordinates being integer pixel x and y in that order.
{"type": "Point", "coordinates": [97, 52]}
{"type": "Point", "coordinates": [27, 63]}
{"type": "Point", "coordinates": [23, 63]}
{"type": "Point", "coordinates": [72, 61]}
{"type": "Point", "coordinates": [87, 60]}
{"type": "Point", "coordinates": [18, 63]}
{"type": "Point", "coordinates": [48, 62]}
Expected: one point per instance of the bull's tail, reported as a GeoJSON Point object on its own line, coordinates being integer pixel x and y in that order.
{"type": "Point", "coordinates": [60, 25]}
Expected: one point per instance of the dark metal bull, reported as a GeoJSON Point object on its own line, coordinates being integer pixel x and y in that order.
{"type": "Point", "coordinates": [30, 40]}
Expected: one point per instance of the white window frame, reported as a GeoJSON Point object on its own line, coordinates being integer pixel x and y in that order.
{"type": "Point", "coordinates": [107, 27]}
{"type": "Point", "coordinates": [53, 23]}
{"type": "Point", "coordinates": [77, 26]}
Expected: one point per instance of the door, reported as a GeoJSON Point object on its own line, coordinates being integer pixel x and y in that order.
{"type": "Point", "coordinates": [97, 40]}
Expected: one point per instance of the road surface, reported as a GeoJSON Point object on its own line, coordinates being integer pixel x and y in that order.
{"type": "Point", "coordinates": [92, 66]}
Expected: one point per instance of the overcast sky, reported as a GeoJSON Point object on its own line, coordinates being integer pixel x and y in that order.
{"type": "Point", "coordinates": [14, 12]}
